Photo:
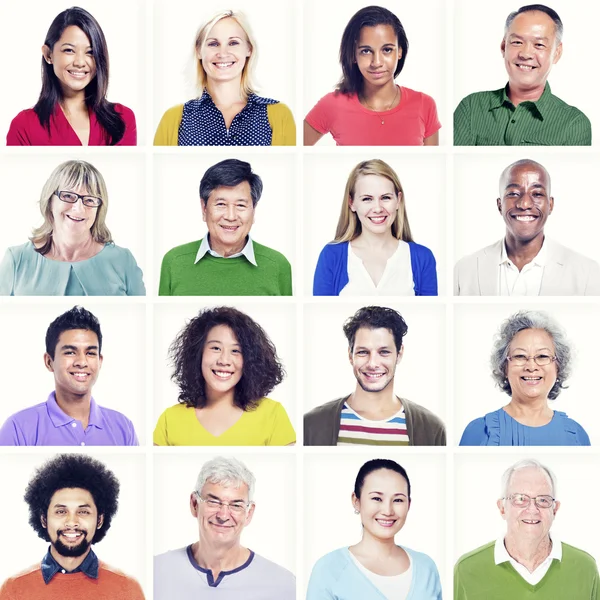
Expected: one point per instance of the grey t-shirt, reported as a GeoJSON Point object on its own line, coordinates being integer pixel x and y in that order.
{"type": "Point", "coordinates": [178, 575]}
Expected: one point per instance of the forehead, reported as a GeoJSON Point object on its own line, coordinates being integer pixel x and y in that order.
{"type": "Point", "coordinates": [241, 191]}
{"type": "Point", "coordinates": [72, 497]}
{"type": "Point", "coordinates": [377, 35]}
{"type": "Point", "coordinates": [525, 174]}
{"type": "Point", "coordinates": [385, 481]}
{"type": "Point", "coordinates": [73, 35]}
{"type": "Point", "coordinates": [374, 338]}
{"type": "Point", "coordinates": [77, 337]}
{"type": "Point", "coordinates": [227, 28]}
{"type": "Point", "coordinates": [532, 23]}
{"type": "Point", "coordinates": [79, 181]}
{"type": "Point", "coordinates": [370, 184]}
{"type": "Point", "coordinates": [222, 333]}
{"type": "Point", "coordinates": [534, 339]}
{"type": "Point", "coordinates": [530, 480]}
{"type": "Point", "coordinates": [226, 490]}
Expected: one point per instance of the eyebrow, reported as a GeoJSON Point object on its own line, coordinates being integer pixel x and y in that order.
{"type": "Point", "coordinates": [65, 506]}
{"type": "Point", "coordinates": [365, 348]}
{"type": "Point", "coordinates": [233, 37]}
{"type": "Point", "coordinates": [538, 350]}
{"type": "Point", "coordinates": [516, 185]}
{"type": "Point", "coordinates": [220, 342]}
{"type": "Point", "coordinates": [213, 497]}
{"type": "Point", "coordinates": [71, 347]}
{"type": "Point", "coordinates": [521, 37]}
{"type": "Point", "coordinates": [222, 199]}
{"type": "Point", "coordinates": [396, 494]}
{"type": "Point", "coordinates": [70, 44]}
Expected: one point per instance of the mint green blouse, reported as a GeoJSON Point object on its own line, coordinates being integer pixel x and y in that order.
{"type": "Point", "coordinates": [112, 272]}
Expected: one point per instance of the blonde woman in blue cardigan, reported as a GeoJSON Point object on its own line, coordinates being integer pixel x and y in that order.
{"type": "Point", "coordinates": [376, 567]}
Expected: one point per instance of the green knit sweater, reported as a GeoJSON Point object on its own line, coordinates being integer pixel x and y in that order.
{"type": "Point", "coordinates": [213, 276]}
{"type": "Point", "coordinates": [477, 577]}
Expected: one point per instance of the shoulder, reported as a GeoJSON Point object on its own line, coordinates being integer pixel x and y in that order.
{"type": "Point", "coordinates": [22, 251]}
{"type": "Point", "coordinates": [124, 111]}
{"type": "Point", "coordinates": [335, 250]}
{"type": "Point", "coordinates": [559, 252]}
{"type": "Point", "coordinates": [332, 565]}
{"type": "Point", "coordinates": [267, 406]}
{"type": "Point", "coordinates": [572, 112]}
{"type": "Point", "coordinates": [125, 582]}
{"type": "Point", "coordinates": [316, 413]}
{"type": "Point", "coordinates": [468, 260]}
{"type": "Point", "coordinates": [270, 253]}
{"type": "Point", "coordinates": [420, 252]}
{"type": "Point", "coordinates": [26, 577]}
{"type": "Point", "coordinates": [416, 410]}
{"type": "Point", "coordinates": [336, 100]}
{"type": "Point", "coordinates": [24, 118]}
{"type": "Point", "coordinates": [26, 413]}
{"type": "Point", "coordinates": [573, 554]}
{"type": "Point", "coordinates": [113, 252]}
{"type": "Point", "coordinates": [177, 411]}
{"type": "Point", "coordinates": [472, 560]}
{"type": "Point", "coordinates": [173, 114]}
{"type": "Point", "coordinates": [414, 96]}
{"type": "Point", "coordinates": [480, 100]}
{"type": "Point", "coordinates": [278, 110]}
{"type": "Point", "coordinates": [184, 250]}
{"type": "Point", "coordinates": [167, 558]}
{"type": "Point", "coordinates": [114, 415]}
{"type": "Point", "coordinates": [421, 559]}
{"type": "Point", "coordinates": [475, 432]}
{"type": "Point", "coordinates": [276, 574]}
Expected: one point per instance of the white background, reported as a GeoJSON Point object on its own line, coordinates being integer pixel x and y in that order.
{"type": "Point", "coordinates": [121, 381]}
{"type": "Point", "coordinates": [176, 23]}
{"type": "Point", "coordinates": [272, 530]}
{"type": "Point", "coordinates": [277, 319]}
{"type": "Point", "coordinates": [178, 211]}
{"type": "Point", "coordinates": [424, 69]}
{"type": "Point", "coordinates": [121, 548]}
{"type": "Point", "coordinates": [23, 29]}
{"type": "Point", "coordinates": [420, 376]}
{"type": "Point", "coordinates": [475, 391]}
{"type": "Point", "coordinates": [479, 65]}
{"type": "Point", "coordinates": [423, 182]}
{"type": "Point", "coordinates": [328, 486]}
{"type": "Point", "coordinates": [477, 488]}
{"type": "Point", "coordinates": [576, 209]}
{"type": "Point", "coordinates": [24, 178]}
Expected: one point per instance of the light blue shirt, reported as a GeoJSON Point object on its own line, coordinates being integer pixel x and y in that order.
{"type": "Point", "coordinates": [111, 272]}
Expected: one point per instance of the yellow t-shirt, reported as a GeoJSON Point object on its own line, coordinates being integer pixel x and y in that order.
{"type": "Point", "coordinates": [267, 425]}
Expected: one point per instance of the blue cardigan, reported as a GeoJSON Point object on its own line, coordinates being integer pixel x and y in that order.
{"type": "Point", "coordinates": [336, 576]}
{"type": "Point", "coordinates": [331, 274]}
{"type": "Point", "coordinates": [500, 429]}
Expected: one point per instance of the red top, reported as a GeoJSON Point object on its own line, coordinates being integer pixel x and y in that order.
{"type": "Point", "coordinates": [26, 130]}
{"type": "Point", "coordinates": [351, 124]}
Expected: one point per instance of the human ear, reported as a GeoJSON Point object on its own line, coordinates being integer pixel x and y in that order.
{"type": "Point", "coordinates": [47, 54]}
{"type": "Point", "coordinates": [48, 362]}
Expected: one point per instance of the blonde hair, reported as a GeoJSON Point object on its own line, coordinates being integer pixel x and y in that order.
{"type": "Point", "coordinates": [247, 84]}
{"type": "Point", "coordinates": [71, 175]}
{"type": "Point", "coordinates": [349, 227]}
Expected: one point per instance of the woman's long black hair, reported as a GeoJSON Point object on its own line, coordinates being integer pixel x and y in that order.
{"type": "Point", "coordinates": [95, 93]}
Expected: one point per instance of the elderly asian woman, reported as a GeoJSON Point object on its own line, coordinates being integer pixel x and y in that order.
{"type": "Point", "coordinates": [72, 253]}
{"type": "Point", "coordinates": [531, 360]}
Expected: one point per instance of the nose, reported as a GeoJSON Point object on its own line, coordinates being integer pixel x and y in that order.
{"type": "Point", "coordinates": [224, 358]}
{"type": "Point", "coordinates": [376, 59]}
{"type": "Point", "coordinates": [526, 50]}
{"type": "Point", "coordinates": [231, 213]}
{"type": "Point", "coordinates": [79, 58]}
{"type": "Point", "coordinates": [80, 360]}
{"type": "Point", "coordinates": [525, 201]}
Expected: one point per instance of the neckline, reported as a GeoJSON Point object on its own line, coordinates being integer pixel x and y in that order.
{"type": "Point", "coordinates": [530, 426]}
{"type": "Point", "coordinates": [383, 277]}
{"type": "Point", "coordinates": [68, 262]}
{"type": "Point", "coordinates": [60, 111]}
{"type": "Point", "coordinates": [380, 113]}
{"type": "Point", "coordinates": [216, 437]}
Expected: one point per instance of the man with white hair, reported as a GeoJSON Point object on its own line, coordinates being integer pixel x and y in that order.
{"type": "Point", "coordinates": [529, 561]}
{"type": "Point", "coordinates": [217, 565]}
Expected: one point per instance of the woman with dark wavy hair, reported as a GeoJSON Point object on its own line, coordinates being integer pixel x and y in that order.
{"type": "Point", "coordinates": [225, 365]}
{"type": "Point", "coordinates": [72, 109]}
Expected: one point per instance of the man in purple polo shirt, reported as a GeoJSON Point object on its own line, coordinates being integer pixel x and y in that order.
{"type": "Point", "coordinates": [70, 416]}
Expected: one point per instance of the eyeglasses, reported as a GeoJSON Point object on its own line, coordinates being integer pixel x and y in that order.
{"type": "Point", "coordinates": [522, 500]}
{"type": "Point", "coordinates": [541, 360]}
{"type": "Point", "coordinates": [72, 197]}
{"type": "Point", "coordinates": [216, 505]}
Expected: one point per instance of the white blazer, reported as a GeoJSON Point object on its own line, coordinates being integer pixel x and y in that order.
{"type": "Point", "coordinates": [566, 273]}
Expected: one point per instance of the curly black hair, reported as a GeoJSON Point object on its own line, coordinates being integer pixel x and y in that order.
{"type": "Point", "coordinates": [374, 317]}
{"type": "Point", "coordinates": [76, 318]}
{"type": "Point", "coordinates": [262, 368]}
{"type": "Point", "coordinates": [72, 471]}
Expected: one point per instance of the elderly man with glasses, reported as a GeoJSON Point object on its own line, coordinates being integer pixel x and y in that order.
{"type": "Point", "coordinates": [217, 565]}
{"type": "Point", "coordinates": [528, 561]}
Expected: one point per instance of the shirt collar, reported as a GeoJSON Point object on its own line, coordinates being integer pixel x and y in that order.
{"type": "Point", "coordinates": [541, 105]}
{"type": "Point", "coordinates": [88, 567]}
{"type": "Point", "coordinates": [60, 418]}
{"type": "Point", "coordinates": [251, 99]}
{"type": "Point", "coordinates": [501, 553]}
{"type": "Point", "coordinates": [247, 251]}
{"type": "Point", "coordinates": [539, 259]}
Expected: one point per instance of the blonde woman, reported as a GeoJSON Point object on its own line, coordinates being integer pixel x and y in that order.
{"type": "Point", "coordinates": [373, 252]}
{"type": "Point", "coordinates": [72, 253]}
{"type": "Point", "coordinates": [228, 111]}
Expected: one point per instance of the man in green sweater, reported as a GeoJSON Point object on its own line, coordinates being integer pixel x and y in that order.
{"type": "Point", "coordinates": [226, 262]}
{"type": "Point", "coordinates": [528, 562]}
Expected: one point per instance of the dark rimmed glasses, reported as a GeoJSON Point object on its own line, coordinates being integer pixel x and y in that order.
{"type": "Point", "coordinates": [72, 197]}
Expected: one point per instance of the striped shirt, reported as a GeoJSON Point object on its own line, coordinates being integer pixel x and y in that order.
{"type": "Point", "coordinates": [354, 429]}
{"type": "Point", "coordinates": [491, 119]}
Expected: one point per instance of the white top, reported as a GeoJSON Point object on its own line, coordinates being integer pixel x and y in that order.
{"type": "Point", "coordinates": [393, 587]}
{"type": "Point", "coordinates": [528, 281]}
{"type": "Point", "coordinates": [501, 555]}
{"type": "Point", "coordinates": [247, 251]}
{"type": "Point", "coordinates": [397, 278]}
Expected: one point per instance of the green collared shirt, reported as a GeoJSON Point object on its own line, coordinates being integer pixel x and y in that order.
{"type": "Point", "coordinates": [491, 119]}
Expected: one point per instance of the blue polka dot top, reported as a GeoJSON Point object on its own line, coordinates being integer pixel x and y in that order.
{"type": "Point", "coordinates": [202, 124]}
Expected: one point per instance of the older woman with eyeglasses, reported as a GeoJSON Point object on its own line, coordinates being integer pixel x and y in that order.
{"type": "Point", "coordinates": [530, 361]}
{"type": "Point", "coordinates": [72, 253]}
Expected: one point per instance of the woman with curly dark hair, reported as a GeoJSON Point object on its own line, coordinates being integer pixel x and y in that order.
{"type": "Point", "coordinates": [225, 365]}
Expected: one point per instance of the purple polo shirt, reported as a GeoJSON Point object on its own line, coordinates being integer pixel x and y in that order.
{"type": "Point", "coordinates": [46, 424]}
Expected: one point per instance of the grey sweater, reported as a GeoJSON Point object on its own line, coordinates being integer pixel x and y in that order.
{"type": "Point", "coordinates": [322, 425]}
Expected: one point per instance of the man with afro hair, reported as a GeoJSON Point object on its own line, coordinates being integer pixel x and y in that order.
{"type": "Point", "coordinates": [72, 500]}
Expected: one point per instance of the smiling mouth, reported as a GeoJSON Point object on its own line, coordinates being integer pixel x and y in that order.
{"type": "Point", "coordinates": [525, 67]}
{"type": "Point", "coordinates": [373, 375]}
{"type": "Point", "coordinates": [224, 65]}
{"type": "Point", "coordinates": [378, 220]}
{"type": "Point", "coordinates": [530, 521]}
{"type": "Point", "coordinates": [525, 218]}
{"type": "Point", "coordinates": [72, 536]}
{"type": "Point", "coordinates": [80, 375]}
{"type": "Point", "coordinates": [78, 74]}
{"type": "Point", "coordinates": [75, 219]}
{"type": "Point", "coordinates": [223, 374]}
{"type": "Point", "coordinates": [386, 522]}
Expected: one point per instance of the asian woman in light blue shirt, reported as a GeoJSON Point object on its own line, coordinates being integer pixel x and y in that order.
{"type": "Point", "coordinates": [72, 253]}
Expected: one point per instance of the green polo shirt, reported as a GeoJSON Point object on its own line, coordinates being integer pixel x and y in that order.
{"type": "Point", "coordinates": [491, 119]}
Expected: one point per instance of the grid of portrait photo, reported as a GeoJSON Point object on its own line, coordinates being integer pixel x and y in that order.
{"type": "Point", "coordinates": [299, 300]}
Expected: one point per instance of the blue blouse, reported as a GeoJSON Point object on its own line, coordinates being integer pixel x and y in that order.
{"type": "Point", "coordinates": [500, 429]}
{"type": "Point", "coordinates": [111, 272]}
{"type": "Point", "coordinates": [202, 124]}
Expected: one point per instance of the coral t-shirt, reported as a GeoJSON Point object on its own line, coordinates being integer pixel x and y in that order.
{"type": "Point", "coordinates": [351, 124]}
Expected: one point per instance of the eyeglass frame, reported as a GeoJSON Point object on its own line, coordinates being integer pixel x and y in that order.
{"type": "Point", "coordinates": [510, 499]}
{"type": "Point", "coordinates": [79, 197]}
{"type": "Point", "coordinates": [221, 504]}
{"type": "Point", "coordinates": [552, 359]}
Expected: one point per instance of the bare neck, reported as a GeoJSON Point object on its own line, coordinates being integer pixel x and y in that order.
{"type": "Point", "coordinates": [530, 553]}
{"type": "Point", "coordinates": [76, 407]}
{"type": "Point", "coordinates": [383, 95]}
{"type": "Point", "coordinates": [377, 549]}
{"type": "Point", "coordinates": [376, 241]}
{"type": "Point", "coordinates": [517, 95]}
{"type": "Point", "coordinates": [521, 252]}
{"type": "Point", "coordinates": [74, 103]}
{"type": "Point", "coordinates": [226, 93]}
{"type": "Point", "coordinates": [532, 413]}
{"type": "Point", "coordinates": [73, 249]}
{"type": "Point", "coordinates": [375, 403]}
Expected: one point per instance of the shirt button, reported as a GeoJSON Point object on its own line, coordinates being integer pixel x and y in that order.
{"type": "Point", "coordinates": [513, 121]}
{"type": "Point", "coordinates": [73, 424]}
{"type": "Point", "coordinates": [62, 571]}
{"type": "Point", "coordinates": [83, 443]}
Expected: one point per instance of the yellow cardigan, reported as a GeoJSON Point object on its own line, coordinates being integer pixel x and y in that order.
{"type": "Point", "coordinates": [279, 115]}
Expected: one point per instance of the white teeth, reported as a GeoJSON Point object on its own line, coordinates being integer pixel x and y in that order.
{"type": "Point", "coordinates": [376, 375]}
{"type": "Point", "coordinates": [525, 67]}
{"type": "Point", "coordinates": [222, 374]}
{"type": "Point", "coordinates": [378, 220]}
{"type": "Point", "coordinates": [525, 218]}
{"type": "Point", "coordinates": [223, 65]}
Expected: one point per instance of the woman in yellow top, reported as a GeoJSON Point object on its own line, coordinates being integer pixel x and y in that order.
{"type": "Point", "coordinates": [228, 111]}
{"type": "Point", "coordinates": [225, 365]}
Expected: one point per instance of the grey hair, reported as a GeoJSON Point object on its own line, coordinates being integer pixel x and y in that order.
{"type": "Point", "coordinates": [531, 319]}
{"type": "Point", "coordinates": [527, 463]}
{"type": "Point", "coordinates": [558, 24]}
{"type": "Point", "coordinates": [228, 471]}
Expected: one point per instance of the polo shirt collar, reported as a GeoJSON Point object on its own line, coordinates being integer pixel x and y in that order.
{"type": "Point", "coordinates": [539, 260]}
{"type": "Point", "coordinates": [88, 567]}
{"type": "Point", "coordinates": [60, 418]}
{"type": "Point", "coordinates": [501, 554]}
{"type": "Point", "coordinates": [247, 251]}
{"type": "Point", "coordinates": [541, 105]}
